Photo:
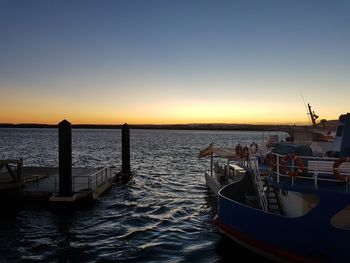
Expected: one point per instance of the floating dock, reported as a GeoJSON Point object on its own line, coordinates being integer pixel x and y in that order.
{"type": "Point", "coordinates": [42, 184]}
{"type": "Point", "coordinates": [63, 185]}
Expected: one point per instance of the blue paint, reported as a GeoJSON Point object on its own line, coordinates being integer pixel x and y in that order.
{"type": "Point", "coordinates": [344, 123]}
{"type": "Point", "coordinates": [305, 235]}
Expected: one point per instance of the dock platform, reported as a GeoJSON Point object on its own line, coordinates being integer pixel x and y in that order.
{"type": "Point", "coordinates": [63, 185]}
{"type": "Point", "coordinates": [42, 184]}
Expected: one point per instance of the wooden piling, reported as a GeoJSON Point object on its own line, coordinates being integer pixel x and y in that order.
{"type": "Point", "coordinates": [126, 149]}
{"type": "Point", "coordinates": [65, 158]}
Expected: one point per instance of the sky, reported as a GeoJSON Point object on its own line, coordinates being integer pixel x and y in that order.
{"type": "Point", "coordinates": [179, 61]}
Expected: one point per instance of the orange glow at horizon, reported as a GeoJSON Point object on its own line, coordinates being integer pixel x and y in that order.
{"type": "Point", "coordinates": [44, 107]}
{"type": "Point", "coordinates": [184, 112]}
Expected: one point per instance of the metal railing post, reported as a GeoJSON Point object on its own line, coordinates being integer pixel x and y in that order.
{"type": "Point", "coordinates": [292, 168]}
{"type": "Point", "coordinates": [278, 168]}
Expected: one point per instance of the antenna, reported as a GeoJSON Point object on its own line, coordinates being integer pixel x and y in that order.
{"type": "Point", "coordinates": [306, 109]}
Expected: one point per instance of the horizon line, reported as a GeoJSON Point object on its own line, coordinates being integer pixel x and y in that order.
{"type": "Point", "coordinates": [153, 124]}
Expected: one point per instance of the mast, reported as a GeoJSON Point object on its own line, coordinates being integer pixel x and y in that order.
{"type": "Point", "coordinates": [312, 114]}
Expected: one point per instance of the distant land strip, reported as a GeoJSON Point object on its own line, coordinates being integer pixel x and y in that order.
{"type": "Point", "coordinates": [246, 127]}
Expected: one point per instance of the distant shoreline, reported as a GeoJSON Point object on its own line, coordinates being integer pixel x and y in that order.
{"type": "Point", "coordinates": [246, 127]}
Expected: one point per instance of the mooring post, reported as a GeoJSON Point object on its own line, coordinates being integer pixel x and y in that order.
{"type": "Point", "coordinates": [65, 158]}
{"type": "Point", "coordinates": [126, 150]}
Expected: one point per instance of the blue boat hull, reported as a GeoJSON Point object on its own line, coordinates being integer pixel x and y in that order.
{"type": "Point", "coordinates": [308, 238]}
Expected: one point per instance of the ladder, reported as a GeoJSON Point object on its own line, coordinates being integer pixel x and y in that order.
{"type": "Point", "coordinates": [254, 168]}
{"type": "Point", "coordinates": [266, 192]}
{"type": "Point", "coordinates": [273, 203]}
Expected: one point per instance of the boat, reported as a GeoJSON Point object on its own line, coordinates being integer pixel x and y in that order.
{"type": "Point", "coordinates": [319, 136]}
{"type": "Point", "coordinates": [297, 212]}
{"type": "Point", "coordinates": [227, 165]}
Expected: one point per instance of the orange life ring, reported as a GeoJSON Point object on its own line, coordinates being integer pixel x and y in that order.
{"type": "Point", "coordinates": [299, 162]}
{"type": "Point", "coordinates": [254, 148]}
{"type": "Point", "coordinates": [336, 165]}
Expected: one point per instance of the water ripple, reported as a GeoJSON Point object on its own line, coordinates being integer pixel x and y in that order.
{"type": "Point", "coordinates": [163, 215]}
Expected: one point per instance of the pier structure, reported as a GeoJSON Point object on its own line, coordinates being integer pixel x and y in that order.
{"type": "Point", "coordinates": [126, 171]}
{"type": "Point", "coordinates": [11, 178]}
{"type": "Point", "coordinates": [65, 158]}
{"type": "Point", "coordinates": [63, 185]}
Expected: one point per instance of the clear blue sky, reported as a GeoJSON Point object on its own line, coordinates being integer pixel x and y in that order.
{"type": "Point", "coordinates": [173, 61]}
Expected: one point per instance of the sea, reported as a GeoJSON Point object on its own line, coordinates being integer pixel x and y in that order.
{"type": "Point", "coordinates": [164, 214]}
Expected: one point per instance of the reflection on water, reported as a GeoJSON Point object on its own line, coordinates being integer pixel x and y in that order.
{"type": "Point", "coordinates": [164, 214]}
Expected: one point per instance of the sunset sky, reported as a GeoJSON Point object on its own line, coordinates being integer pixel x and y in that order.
{"type": "Point", "coordinates": [179, 61]}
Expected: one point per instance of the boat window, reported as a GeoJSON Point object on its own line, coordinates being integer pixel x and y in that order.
{"type": "Point", "coordinates": [342, 218]}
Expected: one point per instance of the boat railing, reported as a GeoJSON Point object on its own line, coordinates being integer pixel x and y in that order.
{"type": "Point", "coordinates": [315, 169]}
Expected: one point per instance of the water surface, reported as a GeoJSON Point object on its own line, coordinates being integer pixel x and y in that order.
{"type": "Point", "coordinates": [164, 214]}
